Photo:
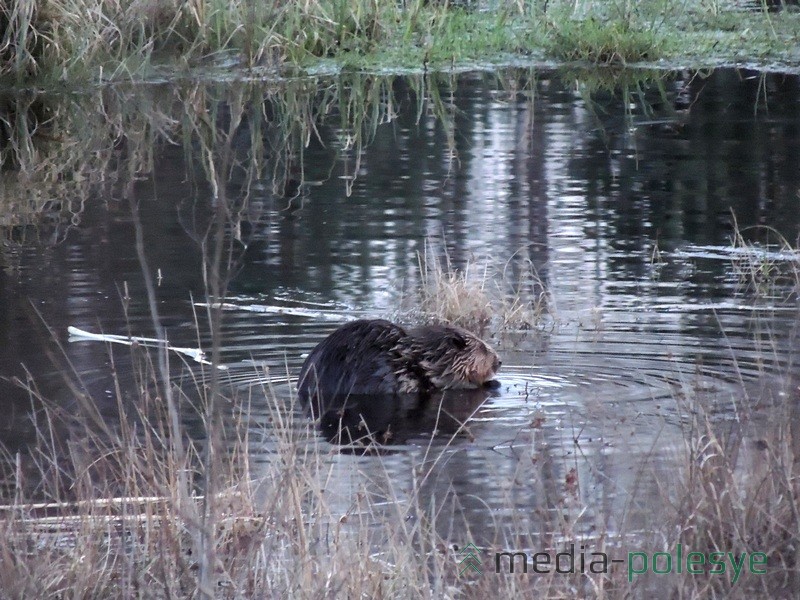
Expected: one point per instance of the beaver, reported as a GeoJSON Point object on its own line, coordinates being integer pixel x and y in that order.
{"type": "Point", "coordinates": [380, 358]}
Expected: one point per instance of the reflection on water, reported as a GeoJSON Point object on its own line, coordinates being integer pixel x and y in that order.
{"type": "Point", "coordinates": [622, 204]}
{"type": "Point", "coordinates": [373, 423]}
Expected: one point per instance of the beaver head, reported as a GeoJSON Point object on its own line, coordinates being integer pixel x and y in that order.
{"type": "Point", "coordinates": [453, 358]}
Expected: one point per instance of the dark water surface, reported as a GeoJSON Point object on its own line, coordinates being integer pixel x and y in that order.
{"type": "Point", "coordinates": [622, 204]}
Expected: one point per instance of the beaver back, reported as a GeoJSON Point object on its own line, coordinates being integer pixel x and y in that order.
{"type": "Point", "coordinates": [365, 357]}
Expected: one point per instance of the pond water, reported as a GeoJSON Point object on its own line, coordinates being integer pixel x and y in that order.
{"type": "Point", "coordinates": [620, 200]}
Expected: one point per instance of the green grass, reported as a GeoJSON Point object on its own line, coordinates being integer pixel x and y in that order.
{"type": "Point", "coordinates": [602, 42]}
{"type": "Point", "coordinates": [79, 40]}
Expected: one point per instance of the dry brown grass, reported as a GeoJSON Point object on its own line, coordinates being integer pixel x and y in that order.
{"type": "Point", "coordinates": [479, 296]}
{"type": "Point", "coordinates": [109, 513]}
{"type": "Point", "coordinates": [739, 491]}
{"type": "Point", "coordinates": [453, 295]}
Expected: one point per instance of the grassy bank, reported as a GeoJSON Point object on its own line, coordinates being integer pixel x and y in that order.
{"type": "Point", "coordinates": [94, 40]}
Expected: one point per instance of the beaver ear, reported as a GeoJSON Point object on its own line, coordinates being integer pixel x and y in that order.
{"type": "Point", "coordinates": [459, 341]}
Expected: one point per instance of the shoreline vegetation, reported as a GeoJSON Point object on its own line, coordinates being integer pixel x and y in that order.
{"type": "Point", "coordinates": [78, 41]}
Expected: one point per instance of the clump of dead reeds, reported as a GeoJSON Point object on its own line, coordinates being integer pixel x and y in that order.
{"type": "Point", "coordinates": [478, 296]}
{"type": "Point", "coordinates": [458, 296]}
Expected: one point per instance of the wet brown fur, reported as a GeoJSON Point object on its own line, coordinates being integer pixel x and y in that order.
{"type": "Point", "coordinates": [371, 357]}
